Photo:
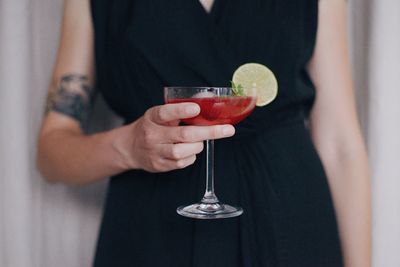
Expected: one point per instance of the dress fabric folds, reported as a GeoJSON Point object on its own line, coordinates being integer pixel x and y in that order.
{"type": "Point", "coordinates": [270, 167]}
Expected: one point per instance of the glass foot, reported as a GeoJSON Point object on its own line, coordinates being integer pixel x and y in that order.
{"type": "Point", "coordinates": [209, 211]}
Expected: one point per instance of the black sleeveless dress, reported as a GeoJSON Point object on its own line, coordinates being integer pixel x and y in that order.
{"type": "Point", "coordinates": [270, 167]}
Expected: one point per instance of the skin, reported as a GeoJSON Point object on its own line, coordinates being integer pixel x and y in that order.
{"type": "Point", "coordinates": [154, 142]}
{"type": "Point", "coordinates": [207, 4]}
{"type": "Point", "coordinates": [67, 155]}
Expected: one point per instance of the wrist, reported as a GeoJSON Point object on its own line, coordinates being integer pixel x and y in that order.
{"type": "Point", "coordinates": [121, 145]}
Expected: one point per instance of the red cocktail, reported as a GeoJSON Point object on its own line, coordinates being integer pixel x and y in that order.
{"type": "Point", "coordinates": [219, 109]}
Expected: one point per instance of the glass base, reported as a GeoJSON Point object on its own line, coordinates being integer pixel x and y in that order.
{"type": "Point", "coordinates": [209, 211]}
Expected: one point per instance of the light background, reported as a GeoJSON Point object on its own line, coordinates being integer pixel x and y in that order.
{"type": "Point", "coordinates": [55, 225]}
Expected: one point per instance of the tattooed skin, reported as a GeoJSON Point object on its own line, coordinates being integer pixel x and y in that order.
{"type": "Point", "coordinates": [71, 97]}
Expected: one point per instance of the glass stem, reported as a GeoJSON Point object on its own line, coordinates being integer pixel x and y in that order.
{"type": "Point", "coordinates": [209, 196]}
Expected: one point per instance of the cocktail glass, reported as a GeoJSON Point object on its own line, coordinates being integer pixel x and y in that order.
{"type": "Point", "coordinates": [218, 105]}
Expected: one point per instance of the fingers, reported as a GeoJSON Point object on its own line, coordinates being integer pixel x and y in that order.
{"type": "Point", "coordinates": [181, 151]}
{"type": "Point", "coordinates": [192, 134]}
{"type": "Point", "coordinates": [181, 163]}
{"type": "Point", "coordinates": [172, 112]}
{"type": "Point", "coordinates": [165, 114]}
{"type": "Point", "coordinates": [158, 144]}
{"type": "Point", "coordinates": [169, 165]}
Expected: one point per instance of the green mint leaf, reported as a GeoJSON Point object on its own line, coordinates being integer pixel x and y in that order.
{"type": "Point", "coordinates": [237, 89]}
{"type": "Point", "coordinates": [233, 85]}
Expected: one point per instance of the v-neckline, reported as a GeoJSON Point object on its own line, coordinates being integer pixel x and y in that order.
{"type": "Point", "coordinates": [208, 12]}
{"type": "Point", "coordinates": [214, 10]}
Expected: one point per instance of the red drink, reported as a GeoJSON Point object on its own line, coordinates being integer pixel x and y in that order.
{"type": "Point", "coordinates": [219, 110]}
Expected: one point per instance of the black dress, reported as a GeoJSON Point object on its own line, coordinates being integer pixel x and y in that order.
{"type": "Point", "coordinates": [270, 167]}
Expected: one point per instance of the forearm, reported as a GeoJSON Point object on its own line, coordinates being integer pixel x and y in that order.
{"type": "Point", "coordinates": [349, 182]}
{"type": "Point", "coordinates": [337, 136]}
{"type": "Point", "coordinates": [73, 158]}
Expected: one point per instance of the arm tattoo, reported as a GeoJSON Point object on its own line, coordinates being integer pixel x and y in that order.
{"type": "Point", "coordinates": [72, 97]}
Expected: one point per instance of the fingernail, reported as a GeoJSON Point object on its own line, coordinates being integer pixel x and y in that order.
{"type": "Point", "coordinates": [192, 109]}
{"type": "Point", "coordinates": [228, 130]}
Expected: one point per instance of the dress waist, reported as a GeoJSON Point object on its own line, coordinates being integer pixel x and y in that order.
{"type": "Point", "coordinates": [269, 122]}
{"type": "Point", "coordinates": [262, 122]}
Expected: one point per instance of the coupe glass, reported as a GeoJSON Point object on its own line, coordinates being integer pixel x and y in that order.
{"type": "Point", "coordinates": [218, 105]}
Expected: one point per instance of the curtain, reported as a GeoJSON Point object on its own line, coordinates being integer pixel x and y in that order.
{"type": "Point", "coordinates": [48, 225]}
{"type": "Point", "coordinates": [383, 77]}
{"type": "Point", "coordinates": [41, 225]}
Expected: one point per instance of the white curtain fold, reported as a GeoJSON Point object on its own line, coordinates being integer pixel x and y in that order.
{"type": "Point", "coordinates": [47, 225]}
{"type": "Point", "coordinates": [15, 195]}
{"type": "Point", "coordinates": [41, 225]}
{"type": "Point", "coordinates": [384, 128]}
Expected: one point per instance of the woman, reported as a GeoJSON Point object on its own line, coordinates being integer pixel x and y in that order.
{"type": "Point", "coordinates": [305, 190]}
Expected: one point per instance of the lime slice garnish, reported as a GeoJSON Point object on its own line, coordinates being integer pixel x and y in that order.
{"type": "Point", "coordinates": [258, 76]}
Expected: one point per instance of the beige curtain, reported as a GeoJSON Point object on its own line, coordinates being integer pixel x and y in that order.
{"type": "Point", "coordinates": [383, 77]}
{"type": "Point", "coordinates": [55, 225]}
{"type": "Point", "coordinates": [41, 225]}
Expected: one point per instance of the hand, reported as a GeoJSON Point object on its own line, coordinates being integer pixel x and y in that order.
{"type": "Point", "coordinates": [156, 142]}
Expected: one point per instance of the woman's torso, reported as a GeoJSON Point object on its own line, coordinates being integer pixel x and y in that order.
{"type": "Point", "coordinates": [270, 167]}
